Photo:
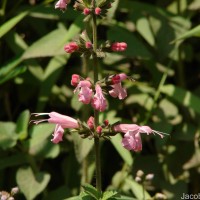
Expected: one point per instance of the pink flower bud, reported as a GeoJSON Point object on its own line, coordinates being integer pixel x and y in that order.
{"type": "Point", "coordinates": [106, 122]}
{"type": "Point", "coordinates": [86, 11]}
{"type": "Point", "coordinates": [119, 46]}
{"type": "Point", "coordinates": [90, 122]}
{"type": "Point", "coordinates": [75, 80]}
{"type": "Point", "coordinates": [99, 130]}
{"type": "Point", "coordinates": [88, 45]}
{"type": "Point", "coordinates": [97, 11]}
{"type": "Point", "coordinates": [71, 47]}
{"type": "Point", "coordinates": [116, 79]}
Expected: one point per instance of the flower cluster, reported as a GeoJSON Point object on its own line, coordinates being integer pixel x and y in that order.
{"type": "Point", "coordinates": [86, 94]}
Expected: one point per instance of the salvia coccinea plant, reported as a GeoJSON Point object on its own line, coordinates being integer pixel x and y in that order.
{"type": "Point", "coordinates": [93, 91]}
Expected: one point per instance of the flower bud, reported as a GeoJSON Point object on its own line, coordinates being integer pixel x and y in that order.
{"type": "Point", "coordinates": [119, 46]}
{"type": "Point", "coordinates": [86, 11]}
{"type": "Point", "coordinates": [75, 80]}
{"type": "Point", "coordinates": [90, 122]}
{"type": "Point", "coordinates": [138, 179]}
{"type": "Point", "coordinates": [99, 130]}
{"type": "Point", "coordinates": [106, 122]}
{"type": "Point", "coordinates": [71, 47]}
{"type": "Point", "coordinates": [139, 173]}
{"type": "Point", "coordinates": [97, 11]}
{"type": "Point", "coordinates": [14, 191]}
{"type": "Point", "coordinates": [88, 45]}
{"type": "Point", "coordinates": [149, 177]}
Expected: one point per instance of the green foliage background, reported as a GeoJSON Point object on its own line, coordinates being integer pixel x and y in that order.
{"type": "Point", "coordinates": [163, 57]}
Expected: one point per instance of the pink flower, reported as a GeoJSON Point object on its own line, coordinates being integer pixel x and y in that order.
{"type": "Point", "coordinates": [75, 80]}
{"type": "Point", "coordinates": [58, 134]}
{"type": "Point", "coordinates": [132, 139]}
{"type": "Point", "coordinates": [119, 46]}
{"type": "Point", "coordinates": [99, 101]}
{"type": "Point", "coordinates": [71, 47]}
{"type": "Point", "coordinates": [85, 93]}
{"type": "Point", "coordinates": [118, 90]}
{"type": "Point", "coordinates": [61, 121]}
{"type": "Point", "coordinates": [90, 122]}
{"type": "Point", "coordinates": [62, 4]}
{"type": "Point", "coordinates": [86, 11]}
{"type": "Point", "coordinates": [97, 11]}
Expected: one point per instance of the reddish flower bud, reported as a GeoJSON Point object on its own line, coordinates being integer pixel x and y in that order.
{"type": "Point", "coordinates": [99, 130]}
{"type": "Point", "coordinates": [106, 122]}
{"type": "Point", "coordinates": [86, 11]}
{"type": "Point", "coordinates": [71, 47]}
{"type": "Point", "coordinates": [119, 46]}
{"type": "Point", "coordinates": [97, 11]}
{"type": "Point", "coordinates": [90, 122]}
{"type": "Point", "coordinates": [75, 80]}
{"type": "Point", "coordinates": [116, 79]}
{"type": "Point", "coordinates": [88, 45]}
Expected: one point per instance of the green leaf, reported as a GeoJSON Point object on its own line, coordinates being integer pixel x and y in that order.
{"type": "Point", "coordinates": [8, 137]}
{"type": "Point", "coordinates": [125, 154]}
{"type": "Point", "coordinates": [7, 26]}
{"type": "Point", "coordinates": [191, 33]}
{"type": "Point", "coordinates": [182, 96]}
{"type": "Point", "coordinates": [143, 27]}
{"type": "Point", "coordinates": [109, 194]}
{"type": "Point", "coordinates": [22, 124]}
{"type": "Point", "coordinates": [82, 147]}
{"type": "Point", "coordinates": [137, 189]}
{"type": "Point", "coordinates": [52, 44]}
{"type": "Point", "coordinates": [31, 185]}
{"type": "Point", "coordinates": [51, 75]}
{"type": "Point", "coordinates": [89, 189]}
{"type": "Point", "coordinates": [12, 160]}
{"type": "Point", "coordinates": [39, 144]}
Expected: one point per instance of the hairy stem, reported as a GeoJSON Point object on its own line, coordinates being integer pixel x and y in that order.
{"type": "Point", "coordinates": [96, 113]}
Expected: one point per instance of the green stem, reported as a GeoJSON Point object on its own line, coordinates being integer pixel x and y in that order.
{"type": "Point", "coordinates": [96, 113]}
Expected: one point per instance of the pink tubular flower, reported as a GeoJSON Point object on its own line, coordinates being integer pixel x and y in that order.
{"type": "Point", "coordinates": [71, 47]}
{"type": "Point", "coordinates": [85, 93]}
{"type": "Point", "coordinates": [132, 139]}
{"type": "Point", "coordinates": [99, 101]}
{"type": "Point", "coordinates": [90, 122]}
{"type": "Point", "coordinates": [62, 4]}
{"type": "Point", "coordinates": [118, 90]}
{"type": "Point", "coordinates": [97, 11]}
{"type": "Point", "coordinates": [119, 46]}
{"type": "Point", "coordinates": [75, 80]}
{"type": "Point", "coordinates": [61, 121]}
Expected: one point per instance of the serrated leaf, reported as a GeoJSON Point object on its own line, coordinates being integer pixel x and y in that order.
{"type": "Point", "coordinates": [8, 137]}
{"type": "Point", "coordinates": [109, 194]}
{"type": "Point", "coordinates": [31, 185]}
{"type": "Point", "coordinates": [89, 189]}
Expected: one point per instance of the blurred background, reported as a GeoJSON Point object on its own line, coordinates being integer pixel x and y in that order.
{"type": "Point", "coordinates": [163, 57]}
